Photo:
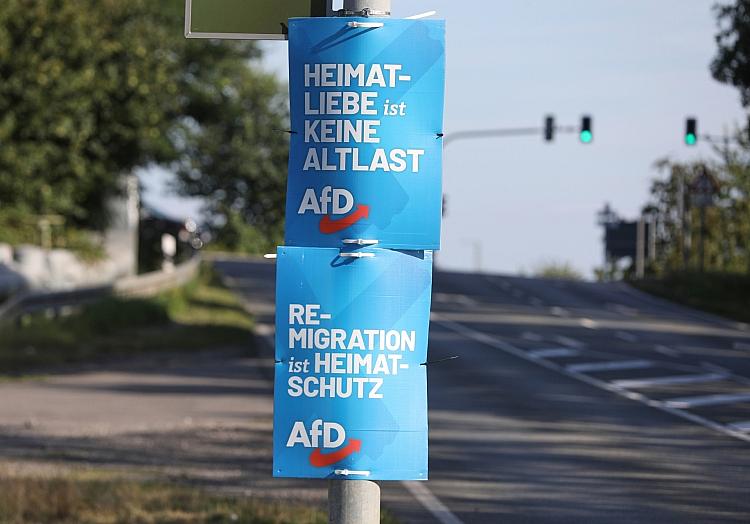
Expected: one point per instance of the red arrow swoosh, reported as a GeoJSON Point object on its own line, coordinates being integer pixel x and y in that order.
{"type": "Point", "coordinates": [328, 226]}
{"type": "Point", "coordinates": [319, 460]}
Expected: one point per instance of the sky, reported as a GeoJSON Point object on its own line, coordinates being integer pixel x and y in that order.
{"type": "Point", "coordinates": [638, 67]}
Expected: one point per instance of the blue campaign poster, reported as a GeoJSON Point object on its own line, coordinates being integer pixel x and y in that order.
{"type": "Point", "coordinates": [350, 394]}
{"type": "Point", "coordinates": [367, 117]}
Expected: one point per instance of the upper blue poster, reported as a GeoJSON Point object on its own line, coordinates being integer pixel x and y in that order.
{"type": "Point", "coordinates": [367, 120]}
{"type": "Point", "coordinates": [350, 393]}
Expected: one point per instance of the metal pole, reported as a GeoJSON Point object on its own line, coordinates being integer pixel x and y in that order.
{"type": "Point", "coordinates": [357, 501]}
{"type": "Point", "coordinates": [640, 249]}
{"type": "Point", "coordinates": [353, 502]}
{"type": "Point", "coordinates": [703, 239]}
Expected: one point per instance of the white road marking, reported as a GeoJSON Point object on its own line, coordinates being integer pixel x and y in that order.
{"type": "Point", "coordinates": [623, 310]}
{"type": "Point", "coordinates": [744, 426]}
{"type": "Point", "coordinates": [706, 400]}
{"type": "Point", "coordinates": [554, 353]}
{"type": "Point", "coordinates": [588, 367]}
{"type": "Point", "coordinates": [668, 381]}
{"type": "Point", "coordinates": [588, 323]}
{"type": "Point", "coordinates": [627, 337]}
{"type": "Point", "coordinates": [488, 340]}
{"type": "Point", "coordinates": [531, 336]}
{"type": "Point", "coordinates": [431, 503]}
{"type": "Point", "coordinates": [664, 350]}
{"type": "Point", "coordinates": [559, 312]}
{"type": "Point", "coordinates": [465, 300]}
{"type": "Point", "coordinates": [741, 345]}
{"type": "Point", "coordinates": [565, 341]}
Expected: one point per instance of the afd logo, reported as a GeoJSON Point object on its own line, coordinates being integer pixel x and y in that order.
{"type": "Point", "coordinates": [323, 435]}
{"type": "Point", "coordinates": [336, 202]}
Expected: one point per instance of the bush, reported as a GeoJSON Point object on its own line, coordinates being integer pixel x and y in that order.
{"type": "Point", "coordinates": [557, 270]}
{"type": "Point", "coordinates": [721, 293]}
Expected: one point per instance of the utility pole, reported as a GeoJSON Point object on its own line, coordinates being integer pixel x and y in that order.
{"type": "Point", "coordinates": [357, 501]}
{"type": "Point", "coordinates": [640, 249]}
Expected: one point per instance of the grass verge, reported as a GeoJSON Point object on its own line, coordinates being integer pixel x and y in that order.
{"type": "Point", "coordinates": [92, 499]}
{"type": "Point", "coordinates": [721, 293]}
{"type": "Point", "coordinates": [199, 315]}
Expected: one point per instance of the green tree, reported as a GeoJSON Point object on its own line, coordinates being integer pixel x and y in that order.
{"type": "Point", "coordinates": [87, 94]}
{"type": "Point", "coordinates": [732, 62]}
{"type": "Point", "coordinates": [681, 223]}
{"type": "Point", "coordinates": [233, 150]}
{"type": "Point", "coordinates": [92, 89]}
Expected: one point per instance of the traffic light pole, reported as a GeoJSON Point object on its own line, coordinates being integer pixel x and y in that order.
{"type": "Point", "coordinates": [357, 501]}
{"type": "Point", "coordinates": [503, 132]}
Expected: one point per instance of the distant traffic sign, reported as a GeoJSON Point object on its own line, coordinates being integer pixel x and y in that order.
{"type": "Point", "coordinates": [246, 19]}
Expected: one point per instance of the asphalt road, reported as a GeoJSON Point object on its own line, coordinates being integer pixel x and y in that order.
{"type": "Point", "coordinates": [571, 402]}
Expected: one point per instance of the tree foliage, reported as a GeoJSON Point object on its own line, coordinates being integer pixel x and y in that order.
{"type": "Point", "coordinates": [92, 89]}
{"type": "Point", "coordinates": [732, 62]}
{"type": "Point", "coordinates": [680, 222]}
{"type": "Point", "coordinates": [233, 147]}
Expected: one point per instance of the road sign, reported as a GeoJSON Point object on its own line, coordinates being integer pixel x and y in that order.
{"type": "Point", "coordinates": [246, 19]}
{"type": "Point", "coordinates": [621, 239]}
{"type": "Point", "coordinates": [367, 119]}
{"type": "Point", "coordinates": [350, 394]}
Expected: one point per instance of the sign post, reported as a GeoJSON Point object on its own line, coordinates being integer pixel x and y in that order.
{"type": "Point", "coordinates": [363, 211]}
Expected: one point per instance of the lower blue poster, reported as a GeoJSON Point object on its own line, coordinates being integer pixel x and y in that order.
{"type": "Point", "coordinates": [350, 395]}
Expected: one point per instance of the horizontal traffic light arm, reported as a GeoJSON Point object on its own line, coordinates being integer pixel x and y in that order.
{"type": "Point", "coordinates": [504, 132]}
{"type": "Point", "coordinates": [716, 139]}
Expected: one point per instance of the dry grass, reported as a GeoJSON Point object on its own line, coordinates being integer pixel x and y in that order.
{"type": "Point", "coordinates": [97, 499]}
{"type": "Point", "coordinates": [200, 315]}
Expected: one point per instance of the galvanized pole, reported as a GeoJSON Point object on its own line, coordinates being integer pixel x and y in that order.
{"type": "Point", "coordinates": [357, 501]}
{"type": "Point", "coordinates": [640, 249]}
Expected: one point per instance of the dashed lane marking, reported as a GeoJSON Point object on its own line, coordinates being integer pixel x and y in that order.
{"type": "Point", "coordinates": [627, 337]}
{"type": "Point", "coordinates": [588, 323]}
{"type": "Point", "coordinates": [706, 400]}
{"type": "Point", "coordinates": [668, 381]}
{"type": "Point", "coordinates": [559, 312]}
{"type": "Point", "coordinates": [554, 353]}
{"type": "Point", "coordinates": [466, 300]}
{"type": "Point", "coordinates": [536, 302]}
{"type": "Point", "coordinates": [531, 336]}
{"type": "Point", "coordinates": [588, 367]}
{"type": "Point", "coordinates": [571, 342]}
{"type": "Point", "coordinates": [623, 310]}
{"type": "Point", "coordinates": [665, 350]}
{"type": "Point", "coordinates": [491, 341]}
{"type": "Point", "coordinates": [431, 503]}
{"type": "Point", "coordinates": [743, 426]}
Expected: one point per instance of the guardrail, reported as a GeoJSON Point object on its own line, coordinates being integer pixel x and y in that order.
{"type": "Point", "coordinates": [145, 285]}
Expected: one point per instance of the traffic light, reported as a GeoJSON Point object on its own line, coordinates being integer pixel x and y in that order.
{"type": "Point", "coordinates": [549, 128]}
{"type": "Point", "coordinates": [587, 132]}
{"type": "Point", "coordinates": [691, 131]}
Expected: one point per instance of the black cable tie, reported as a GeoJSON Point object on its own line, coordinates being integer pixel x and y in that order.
{"type": "Point", "coordinates": [431, 362]}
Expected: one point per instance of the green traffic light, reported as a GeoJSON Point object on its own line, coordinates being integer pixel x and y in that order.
{"type": "Point", "coordinates": [690, 139]}
{"type": "Point", "coordinates": [587, 137]}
